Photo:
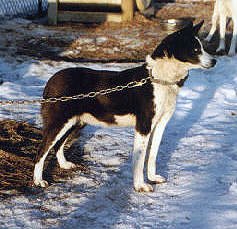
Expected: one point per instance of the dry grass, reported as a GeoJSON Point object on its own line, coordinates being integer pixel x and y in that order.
{"type": "Point", "coordinates": [19, 142]}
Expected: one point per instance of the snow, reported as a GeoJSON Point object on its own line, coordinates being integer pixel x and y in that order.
{"type": "Point", "coordinates": [197, 156]}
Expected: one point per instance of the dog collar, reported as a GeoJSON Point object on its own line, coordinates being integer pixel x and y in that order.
{"type": "Point", "coordinates": [179, 83]}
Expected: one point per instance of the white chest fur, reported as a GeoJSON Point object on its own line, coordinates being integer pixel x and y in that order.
{"type": "Point", "coordinates": [165, 99]}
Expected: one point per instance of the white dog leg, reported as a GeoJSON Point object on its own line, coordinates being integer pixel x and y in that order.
{"type": "Point", "coordinates": [222, 33]}
{"type": "Point", "coordinates": [214, 24]}
{"type": "Point", "coordinates": [40, 164]}
{"type": "Point", "coordinates": [139, 154]}
{"type": "Point", "coordinates": [152, 155]}
{"type": "Point", "coordinates": [38, 172]}
{"type": "Point", "coordinates": [63, 163]}
{"type": "Point", "coordinates": [234, 39]}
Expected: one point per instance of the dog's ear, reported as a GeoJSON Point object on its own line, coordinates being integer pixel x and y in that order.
{"type": "Point", "coordinates": [197, 27]}
{"type": "Point", "coordinates": [189, 26]}
{"type": "Point", "coordinates": [187, 30]}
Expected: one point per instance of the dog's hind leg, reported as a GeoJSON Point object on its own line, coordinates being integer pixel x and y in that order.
{"type": "Point", "coordinates": [234, 38]}
{"type": "Point", "coordinates": [52, 135]}
{"type": "Point", "coordinates": [67, 141]}
{"type": "Point", "coordinates": [63, 163]}
{"type": "Point", "coordinates": [74, 135]}
{"type": "Point", "coordinates": [38, 170]}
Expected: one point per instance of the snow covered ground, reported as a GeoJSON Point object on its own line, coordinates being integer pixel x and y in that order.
{"type": "Point", "coordinates": [198, 157]}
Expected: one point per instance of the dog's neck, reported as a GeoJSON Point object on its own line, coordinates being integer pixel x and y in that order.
{"type": "Point", "coordinates": [167, 71]}
{"type": "Point", "coordinates": [179, 83]}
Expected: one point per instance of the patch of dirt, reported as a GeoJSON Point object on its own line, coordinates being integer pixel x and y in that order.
{"type": "Point", "coordinates": [110, 41]}
{"type": "Point", "coordinates": [19, 142]}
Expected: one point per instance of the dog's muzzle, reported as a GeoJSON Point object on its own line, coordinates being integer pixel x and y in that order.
{"type": "Point", "coordinates": [207, 61]}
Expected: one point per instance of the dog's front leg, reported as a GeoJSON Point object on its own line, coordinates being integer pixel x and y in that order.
{"type": "Point", "coordinates": [234, 38]}
{"type": "Point", "coordinates": [214, 24]}
{"type": "Point", "coordinates": [221, 46]}
{"type": "Point", "coordinates": [155, 140]}
{"type": "Point", "coordinates": [139, 154]}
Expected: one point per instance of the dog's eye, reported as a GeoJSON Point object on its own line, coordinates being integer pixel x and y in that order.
{"type": "Point", "coordinates": [196, 50]}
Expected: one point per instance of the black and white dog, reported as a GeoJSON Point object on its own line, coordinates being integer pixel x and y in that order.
{"type": "Point", "coordinates": [147, 107]}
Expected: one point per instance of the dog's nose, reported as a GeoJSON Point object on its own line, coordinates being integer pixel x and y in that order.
{"type": "Point", "coordinates": [213, 62]}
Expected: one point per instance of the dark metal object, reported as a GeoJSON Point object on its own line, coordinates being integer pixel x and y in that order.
{"type": "Point", "coordinates": [175, 24]}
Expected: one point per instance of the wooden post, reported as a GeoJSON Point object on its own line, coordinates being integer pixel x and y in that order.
{"type": "Point", "coordinates": [52, 12]}
{"type": "Point", "coordinates": [127, 9]}
{"type": "Point", "coordinates": [127, 6]}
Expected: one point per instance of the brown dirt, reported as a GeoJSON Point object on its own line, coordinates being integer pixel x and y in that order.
{"type": "Point", "coordinates": [106, 41]}
{"type": "Point", "coordinates": [18, 146]}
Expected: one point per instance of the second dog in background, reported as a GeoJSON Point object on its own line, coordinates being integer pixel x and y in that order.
{"type": "Point", "coordinates": [222, 10]}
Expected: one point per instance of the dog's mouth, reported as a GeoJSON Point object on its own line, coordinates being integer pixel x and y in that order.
{"type": "Point", "coordinates": [207, 61]}
{"type": "Point", "coordinates": [211, 64]}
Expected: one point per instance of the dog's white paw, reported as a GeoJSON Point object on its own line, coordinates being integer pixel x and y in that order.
{"type": "Point", "coordinates": [41, 183]}
{"type": "Point", "coordinates": [220, 49]}
{"type": "Point", "coordinates": [143, 188]}
{"type": "Point", "coordinates": [158, 179]}
{"type": "Point", "coordinates": [231, 53]}
{"type": "Point", "coordinates": [67, 165]}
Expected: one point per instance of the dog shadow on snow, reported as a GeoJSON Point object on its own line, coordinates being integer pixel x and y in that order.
{"type": "Point", "coordinates": [176, 130]}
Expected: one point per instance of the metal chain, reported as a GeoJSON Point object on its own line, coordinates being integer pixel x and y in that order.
{"type": "Point", "coordinates": [91, 94]}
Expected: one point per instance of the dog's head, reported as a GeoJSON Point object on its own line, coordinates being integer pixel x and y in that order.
{"type": "Point", "coordinates": [184, 46]}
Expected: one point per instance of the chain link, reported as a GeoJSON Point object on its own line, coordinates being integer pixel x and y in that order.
{"type": "Point", "coordinates": [91, 94]}
{"type": "Point", "coordinates": [12, 8]}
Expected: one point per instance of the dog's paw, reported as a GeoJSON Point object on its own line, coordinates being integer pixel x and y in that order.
{"type": "Point", "coordinates": [231, 53]}
{"type": "Point", "coordinates": [158, 179]}
{"type": "Point", "coordinates": [67, 165]}
{"type": "Point", "coordinates": [144, 188]}
{"type": "Point", "coordinates": [220, 49]}
{"type": "Point", "coordinates": [41, 183]}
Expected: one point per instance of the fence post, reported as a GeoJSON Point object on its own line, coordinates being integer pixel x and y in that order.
{"type": "Point", "coordinates": [53, 12]}
{"type": "Point", "coordinates": [39, 7]}
{"type": "Point", "coordinates": [127, 9]}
